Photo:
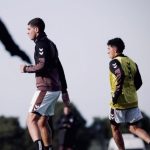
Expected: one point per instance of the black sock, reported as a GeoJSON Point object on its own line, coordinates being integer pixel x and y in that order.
{"type": "Point", "coordinates": [48, 147]}
{"type": "Point", "coordinates": [38, 145]}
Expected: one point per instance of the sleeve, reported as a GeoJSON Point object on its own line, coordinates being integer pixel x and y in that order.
{"type": "Point", "coordinates": [40, 51]}
{"type": "Point", "coordinates": [116, 69]}
{"type": "Point", "coordinates": [137, 79]}
{"type": "Point", "coordinates": [62, 76]}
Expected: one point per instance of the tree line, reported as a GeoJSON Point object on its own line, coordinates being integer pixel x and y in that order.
{"type": "Point", "coordinates": [15, 137]}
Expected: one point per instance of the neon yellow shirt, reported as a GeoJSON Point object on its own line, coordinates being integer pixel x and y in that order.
{"type": "Point", "coordinates": [128, 95]}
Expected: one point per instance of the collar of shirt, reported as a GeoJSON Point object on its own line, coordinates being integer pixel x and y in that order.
{"type": "Point", "coordinates": [40, 36]}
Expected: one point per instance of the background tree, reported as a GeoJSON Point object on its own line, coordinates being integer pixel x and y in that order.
{"type": "Point", "coordinates": [14, 137]}
{"type": "Point", "coordinates": [10, 134]}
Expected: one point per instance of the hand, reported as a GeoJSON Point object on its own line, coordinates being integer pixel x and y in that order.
{"type": "Point", "coordinates": [114, 100]}
{"type": "Point", "coordinates": [65, 98]}
{"type": "Point", "coordinates": [22, 68]}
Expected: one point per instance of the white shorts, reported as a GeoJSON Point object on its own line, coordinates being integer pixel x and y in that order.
{"type": "Point", "coordinates": [43, 102]}
{"type": "Point", "coordinates": [131, 115]}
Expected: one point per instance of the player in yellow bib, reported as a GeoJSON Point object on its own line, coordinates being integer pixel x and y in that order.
{"type": "Point", "coordinates": [125, 80]}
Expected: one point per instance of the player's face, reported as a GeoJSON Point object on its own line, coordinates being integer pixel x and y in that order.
{"type": "Point", "coordinates": [32, 32]}
{"type": "Point", "coordinates": [112, 51]}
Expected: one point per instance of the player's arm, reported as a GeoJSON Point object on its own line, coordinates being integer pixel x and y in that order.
{"type": "Point", "coordinates": [65, 95]}
{"type": "Point", "coordinates": [137, 79]}
{"type": "Point", "coordinates": [62, 76]}
{"type": "Point", "coordinates": [10, 44]}
{"type": "Point", "coordinates": [116, 69]}
{"type": "Point", "coordinates": [40, 51]}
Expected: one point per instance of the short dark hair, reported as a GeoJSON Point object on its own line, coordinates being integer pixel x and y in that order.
{"type": "Point", "coordinates": [37, 22]}
{"type": "Point", "coordinates": [117, 42]}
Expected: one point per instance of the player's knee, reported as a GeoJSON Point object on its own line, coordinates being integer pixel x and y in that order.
{"type": "Point", "coordinates": [114, 127]}
{"type": "Point", "coordinates": [31, 119]}
{"type": "Point", "coordinates": [42, 122]}
{"type": "Point", "coordinates": [132, 128]}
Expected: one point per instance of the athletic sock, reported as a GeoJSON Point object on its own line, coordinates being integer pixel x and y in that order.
{"type": "Point", "coordinates": [38, 145]}
{"type": "Point", "coordinates": [48, 147]}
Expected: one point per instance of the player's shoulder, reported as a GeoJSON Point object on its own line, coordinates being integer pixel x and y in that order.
{"type": "Point", "coordinates": [41, 45]}
{"type": "Point", "coordinates": [114, 64]}
{"type": "Point", "coordinates": [114, 61]}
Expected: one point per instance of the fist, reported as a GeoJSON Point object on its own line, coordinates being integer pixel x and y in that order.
{"type": "Point", "coordinates": [65, 98]}
{"type": "Point", "coordinates": [22, 68]}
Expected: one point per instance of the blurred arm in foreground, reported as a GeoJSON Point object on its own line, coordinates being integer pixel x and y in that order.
{"type": "Point", "coordinates": [10, 45]}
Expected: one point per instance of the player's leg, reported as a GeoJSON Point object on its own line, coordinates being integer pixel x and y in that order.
{"type": "Point", "coordinates": [47, 110]}
{"type": "Point", "coordinates": [45, 131]}
{"type": "Point", "coordinates": [34, 132]}
{"type": "Point", "coordinates": [134, 116]}
{"type": "Point", "coordinates": [32, 120]}
{"type": "Point", "coordinates": [33, 117]}
{"type": "Point", "coordinates": [133, 128]}
{"type": "Point", "coordinates": [116, 117]}
{"type": "Point", "coordinates": [117, 135]}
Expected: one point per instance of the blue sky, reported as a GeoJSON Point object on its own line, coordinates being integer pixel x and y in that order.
{"type": "Point", "coordinates": [80, 29]}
